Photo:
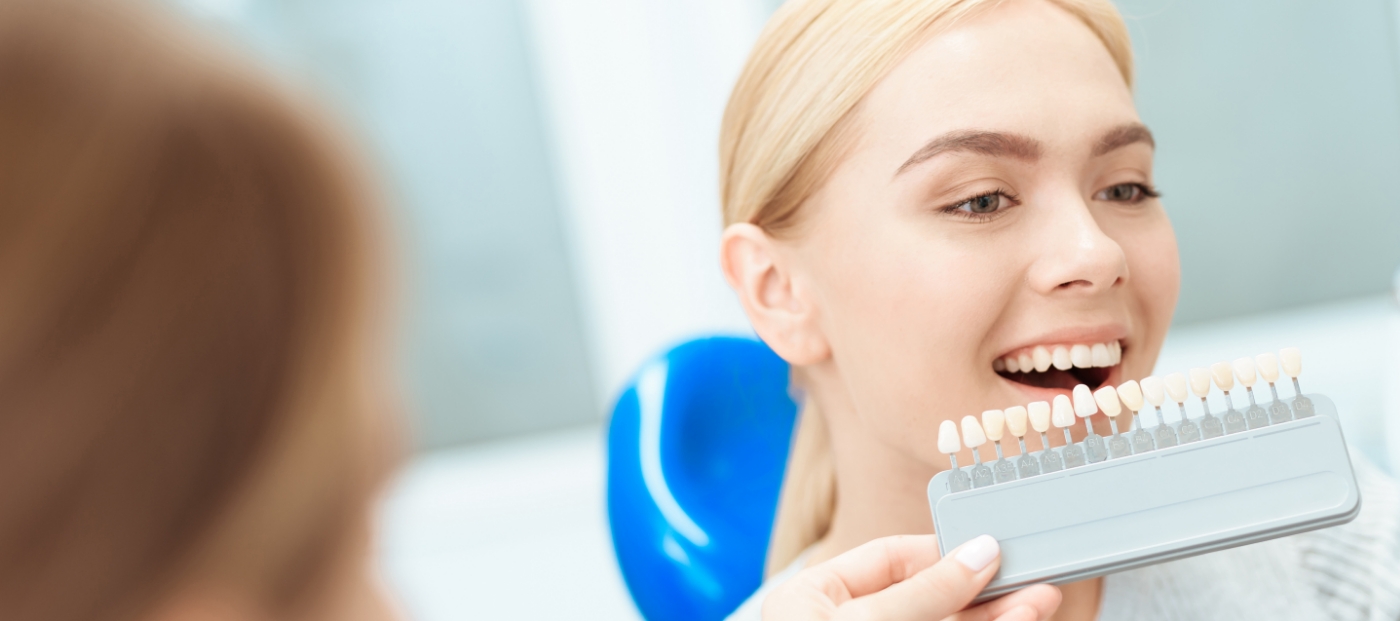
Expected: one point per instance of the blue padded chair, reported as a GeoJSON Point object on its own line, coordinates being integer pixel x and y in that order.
{"type": "Point", "coordinates": [696, 451]}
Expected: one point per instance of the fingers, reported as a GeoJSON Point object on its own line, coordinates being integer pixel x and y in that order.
{"type": "Point", "coordinates": [934, 593]}
{"type": "Point", "coordinates": [875, 566]}
{"type": "Point", "coordinates": [1041, 600]}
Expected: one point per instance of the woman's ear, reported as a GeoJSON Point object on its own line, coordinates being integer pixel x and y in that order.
{"type": "Point", "coordinates": [777, 304]}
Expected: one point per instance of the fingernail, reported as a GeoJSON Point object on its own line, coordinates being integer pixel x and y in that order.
{"type": "Point", "coordinates": [976, 554]}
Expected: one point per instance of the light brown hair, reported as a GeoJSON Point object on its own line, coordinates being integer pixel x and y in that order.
{"type": "Point", "coordinates": [187, 383]}
{"type": "Point", "coordinates": [789, 120]}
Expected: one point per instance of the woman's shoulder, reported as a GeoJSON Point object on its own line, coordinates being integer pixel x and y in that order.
{"type": "Point", "coordinates": [752, 608]}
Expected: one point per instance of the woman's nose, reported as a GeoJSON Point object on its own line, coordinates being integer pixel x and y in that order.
{"type": "Point", "coordinates": [1077, 257]}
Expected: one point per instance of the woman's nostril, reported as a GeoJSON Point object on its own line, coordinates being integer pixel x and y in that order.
{"type": "Point", "coordinates": [1075, 283]}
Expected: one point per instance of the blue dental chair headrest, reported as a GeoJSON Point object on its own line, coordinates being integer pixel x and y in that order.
{"type": "Point", "coordinates": [697, 447]}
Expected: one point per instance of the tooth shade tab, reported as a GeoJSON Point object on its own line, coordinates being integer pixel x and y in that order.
{"type": "Point", "coordinates": [1081, 357]}
{"type": "Point", "coordinates": [1292, 361]}
{"type": "Point", "coordinates": [1059, 358]}
{"type": "Point", "coordinates": [1131, 395]}
{"type": "Point", "coordinates": [1039, 414]}
{"type": "Point", "coordinates": [1244, 372]}
{"type": "Point", "coordinates": [1011, 365]}
{"type": "Point", "coordinates": [948, 438]}
{"type": "Point", "coordinates": [1107, 398]}
{"type": "Point", "coordinates": [1200, 382]}
{"type": "Point", "coordinates": [973, 436]}
{"type": "Point", "coordinates": [1223, 375]}
{"type": "Point", "coordinates": [1099, 354]}
{"type": "Point", "coordinates": [994, 423]}
{"type": "Point", "coordinates": [1176, 387]}
{"type": "Point", "coordinates": [1041, 357]}
{"type": "Point", "coordinates": [1084, 402]}
{"type": "Point", "coordinates": [1268, 367]}
{"type": "Point", "coordinates": [1016, 420]}
{"type": "Point", "coordinates": [1153, 390]}
{"type": "Point", "coordinates": [1062, 412]}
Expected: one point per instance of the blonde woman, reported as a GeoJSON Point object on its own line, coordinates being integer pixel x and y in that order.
{"type": "Point", "coordinates": [916, 192]}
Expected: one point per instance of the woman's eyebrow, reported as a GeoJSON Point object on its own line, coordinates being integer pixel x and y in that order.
{"type": "Point", "coordinates": [1122, 136]}
{"type": "Point", "coordinates": [995, 144]}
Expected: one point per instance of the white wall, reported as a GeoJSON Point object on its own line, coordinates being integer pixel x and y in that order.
{"type": "Point", "coordinates": [634, 92]}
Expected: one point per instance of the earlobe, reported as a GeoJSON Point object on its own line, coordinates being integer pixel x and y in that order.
{"type": "Point", "coordinates": [763, 277]}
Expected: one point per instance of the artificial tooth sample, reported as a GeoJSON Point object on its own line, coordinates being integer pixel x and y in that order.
{"type": "Point", "coordinates": [1224, 377]}
{"type": "Point", "coordinates": [949, 445]}
{"type": "Point", "coordinates": [1026, 466]}
{"type": "Point", "coordinates": [1041, 358]}
{"type": "Point", "coordinates": [1099, 354]}
{"type": "Point", "coordinates": [1108, 400]}
{"type": "Point", "coordinates": [1115, 353]}
{"type": "Point", "coordinates": [974, 438]}
{"type": "Point", "coordinates": [1132, 394]}
{"type": "Point", "coordinates": [1186, 431]}
{"type": "Point", "coordinates": [1292, 361]}
{"type": "Point", "coordinates": [994, 422]}
{"type": "Point", "coordinates": [1012, 366]}
{"type": "Point", "coordinates": [1268, 369]}
{"type": "Point", "coordinates": [1059, 358]}
{"type": "Point", "coordinates": [1255, 416]}
{"type": "Point", "coordinates": [1200, 385]}
{"type": "Point", "coordinates": [1081, 356]}
{"type": "Point", "coordinates": [1062, 414]}
{"type": "Point", "coordinates": [1086, 408]}
{"type": "Point", "coordinates": [1050, 460]}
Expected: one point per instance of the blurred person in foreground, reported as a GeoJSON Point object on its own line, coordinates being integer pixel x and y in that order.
{"type": "Point", "coordinates": [193, 419]}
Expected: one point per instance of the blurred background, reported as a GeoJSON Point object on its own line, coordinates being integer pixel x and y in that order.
{"type": "Point", "coordinates": [553, 170]}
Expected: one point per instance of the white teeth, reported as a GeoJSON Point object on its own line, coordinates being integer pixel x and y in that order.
{"type": "Point", "coordinates": [1268, 367]}
{"type": "Point", "coordinates": [1039, 413]}
{"type": "Point", "coordinates": [1176, 387]}
{"type": "Point", "coordinates": [1063, 412]}
{"type": "Point", "coordinates": [1059, 357]}
{"type": "Point", "coordinates": [1131, 395]}
{"type": "Point", "coordinates": [994, 422]}
{"type": "Point", "coordinates": [973, 436]}
{"type": "Point", "coordinates": [1011, 365]}
{"type": "Point", "coordinates": [1024, 361]}
{"type": "Point", "coordinates": [998, 365]}
{"type": "Point", "coordinates": [1084, 402]}
{"type": "Point", "coordinates": [1200, 382]}
{"type": "Point", "coordinates": [1041, 357]}
{"type": "Point", "coordinates": [1080, 356]}
{"type": "Point", "coordinates": [948, 438]}
{"type": "Point", "coordinates": [1115, 353]}
{"type": "Point", "coordinates": [1100, 355]}
{"type": "Point", "coordinates": [1223, 375]}
{"type": "Point", "coordinates": [1154, 390]}
{"type": "Point", "coordinates": [1107, 398]}
{"type": "Point", "coordinates": [1292, 360]}
{"type": "Point", "coordinates": [1016, 420]}
{"type": "Point", "coordinates": [1244, 371]}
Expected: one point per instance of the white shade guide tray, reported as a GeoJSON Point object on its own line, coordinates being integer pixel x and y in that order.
{"type": "Point", "coordinates": [1291, 359]}
{"type": "Point", "coordinates": [1131, 395]}
{"type": "Point", "coordinates": [1176, 387]}
{"type": "Point", "coordinates": [1223, 375]}
{"type": "Point", "coordinates": [994, 422]}
{"type": "Point", "coordinates": [1200, 382]}
{"type": "Point", "coordinates": [973, 436]}
{"type": "Point", "coordinates": [1268, 367]}
{"type": "Point", "coordinates": [1107, 398]}
{"type": "Point", "coordinates": [1016, 420]}
{"type": "Point", "coordinates": [1154, 390]}
{"type": "Point", "coordinates": [1039, 414]}
{"type": "Point", "coordinates": [1244, 372]}
{"type": "Point", "coordinates": [948, 442]}
{"type": "Point", "coordinates": [1062, 413]}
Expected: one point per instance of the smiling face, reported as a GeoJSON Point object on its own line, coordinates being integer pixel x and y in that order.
{"type": "Point", "coordinates": [992, 236]}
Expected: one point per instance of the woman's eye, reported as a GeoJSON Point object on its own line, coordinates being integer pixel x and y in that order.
{"type": "Point", "coordinates": [982, 205]}
{"type": "Point", "coordinates": [1125, 193]}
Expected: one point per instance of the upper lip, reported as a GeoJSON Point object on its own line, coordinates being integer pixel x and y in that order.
{"type": "Point", "coordinates": [1087, 335]}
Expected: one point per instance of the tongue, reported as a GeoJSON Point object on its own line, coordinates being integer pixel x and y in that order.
{"type": "Point", "coordinates": [1055, 378]}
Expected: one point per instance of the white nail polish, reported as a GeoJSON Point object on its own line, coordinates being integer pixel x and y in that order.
{"type": "Point", "coordinates": [977, 554]}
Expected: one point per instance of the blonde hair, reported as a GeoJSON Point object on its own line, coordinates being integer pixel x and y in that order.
{"type": "Point", "coordinates": [787, 124]}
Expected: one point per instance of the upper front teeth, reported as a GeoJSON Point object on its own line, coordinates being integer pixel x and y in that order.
{"type": "Point", "coordinates": [1062, 357]}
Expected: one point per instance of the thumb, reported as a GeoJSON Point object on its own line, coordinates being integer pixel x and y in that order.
{"type": "Point", "coordinates": [936, 592]}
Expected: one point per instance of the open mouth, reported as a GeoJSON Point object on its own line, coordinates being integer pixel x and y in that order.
{"type": "Point", "coordinates": [1061, 366]}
